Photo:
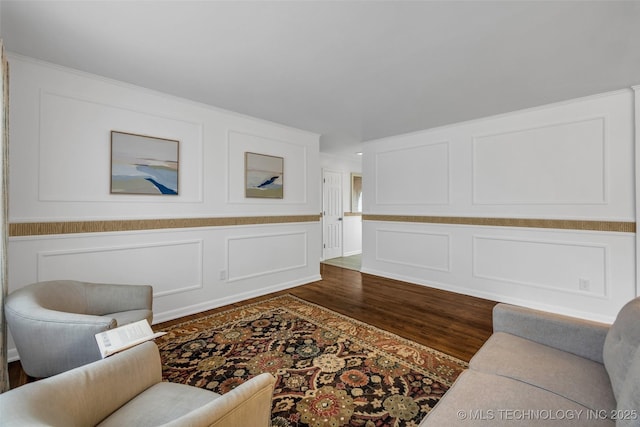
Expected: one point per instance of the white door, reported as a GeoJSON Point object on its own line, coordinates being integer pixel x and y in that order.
{"type": "Point", "coordinates": [331, 214]}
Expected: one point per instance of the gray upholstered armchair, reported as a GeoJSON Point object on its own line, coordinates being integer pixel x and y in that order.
{"type": "Point", "coordinates": [53, 324]}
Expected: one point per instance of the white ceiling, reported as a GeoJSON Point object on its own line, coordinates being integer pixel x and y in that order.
{"type": "Point", "coordinates": [350, 70]}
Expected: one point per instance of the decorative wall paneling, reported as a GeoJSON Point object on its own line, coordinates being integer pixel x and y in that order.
{"type": "Point", "coordinates": [171, 267]}
{"type": "Point", "coordinates": [191, 269]}
{"type": "Point", "coordinates": [214, 262]}
{"type": "Point", "coordinates": [564, 164]}
{"type": "Point", "coordinates": [572, 160]}
{"type": "Point", "coordinates": [272, 253]}
{"type": "Point", "coordinates": [547, 264]}
{"type": "Point", "coordinates": [423, 179]}
{"type": "Point", "coordinates": [62, 121]}
{"type": "Point", "coordinates": [295, 167]}
{"type": "Point", "coordinates": [429, 251]}
{"type": "Point", "coordinates": [205, 247]}
{"type": "Point", "coordinates": [74, 148]}
{"type": "Point", "coordinates": [541, 209]}
{"type": "Point", "coordinates": [581, 273]}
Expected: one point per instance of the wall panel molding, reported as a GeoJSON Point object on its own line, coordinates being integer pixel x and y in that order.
{"type": "Point", "coordinates": [72, 128]}
{"type": "Point", "coordinates": [425, 250]}
{"type": "Point", "coordinates": [402, 175]}
{"type": "Point", "coordinates": [296, 159]}
{"type": "Point", "coordinates": [161, 264]}
{"type": "Point", "coordinates": [263, 254]}
{"type": "Point", "coordinates": [559, 163]}
{"type": "Point", "coordinates": [560, 266]}
{"type": "Point", "coordinates": [561, 173]}
{"type": "Point", "coordinates": [72, 227]}
{"type": "Point", "coordinates": [562, 224]}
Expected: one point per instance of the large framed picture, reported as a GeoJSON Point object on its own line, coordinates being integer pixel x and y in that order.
{"type": "Point", "coordinates": [143, 164]}
{"type": "Point", "coordinates": [264, 176]}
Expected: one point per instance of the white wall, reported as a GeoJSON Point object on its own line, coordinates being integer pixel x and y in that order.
{"type": "Point", "coordinates": [351, 224]}
{"type": "Point", "coordinates": [60, 171]}
{"type": "Point", "coordinates": [573, 160]}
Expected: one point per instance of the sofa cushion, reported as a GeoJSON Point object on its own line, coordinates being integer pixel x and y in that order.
{"type": "Point", "coordinates": [481, 399]}
{"type": "Point", "coordinates": [582, 380]}
{"type": "Point", "coordinates": [623, 339]}
{"type": "Point", "coordinates": [159, 404]}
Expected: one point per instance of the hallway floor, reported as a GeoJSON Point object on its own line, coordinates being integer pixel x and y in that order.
{"type": "Point", "coordinates": [353, 262]}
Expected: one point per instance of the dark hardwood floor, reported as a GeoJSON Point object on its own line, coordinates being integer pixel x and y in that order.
{"type": "Point", "coordinates": [452, 323]}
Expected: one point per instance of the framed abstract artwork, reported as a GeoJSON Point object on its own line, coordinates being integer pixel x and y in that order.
{"type": "Point", "coordinates": [264, 176]}
{"type": "Point", "coordinates": [143, 164]}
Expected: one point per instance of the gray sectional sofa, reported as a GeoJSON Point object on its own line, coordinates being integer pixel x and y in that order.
{"type": "Point", "coordinates": [542, 369]}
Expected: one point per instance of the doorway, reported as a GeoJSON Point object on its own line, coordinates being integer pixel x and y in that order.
{"type": "Point", "coordinates": [332, 214]}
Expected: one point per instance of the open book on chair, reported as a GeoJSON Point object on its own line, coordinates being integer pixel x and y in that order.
{"type": "Point", "coordinates": [124, 337]}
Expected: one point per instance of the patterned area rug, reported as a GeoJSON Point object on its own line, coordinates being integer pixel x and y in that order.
{"type": "Point", "coordinates": [331, 370]}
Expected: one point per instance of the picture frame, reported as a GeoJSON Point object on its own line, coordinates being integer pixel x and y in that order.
{"type": "Point", "coordinates": [264, 176]}
{"type": "Point", "coordinates": [145, 165]}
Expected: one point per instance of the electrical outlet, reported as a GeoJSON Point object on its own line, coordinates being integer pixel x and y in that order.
{"type": "Point", "coordinates": [584, 284]}
{"type": "Point", "coordinates": [223, 274]}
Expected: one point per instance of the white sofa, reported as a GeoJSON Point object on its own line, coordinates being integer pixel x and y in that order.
{"type": "Point", "coordinates": [126, 389]}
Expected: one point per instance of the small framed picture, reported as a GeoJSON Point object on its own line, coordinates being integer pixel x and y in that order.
{"type": "Point", "coordinates": [264, 176]}
{"type": "Point", "coordinates": [143, 164]}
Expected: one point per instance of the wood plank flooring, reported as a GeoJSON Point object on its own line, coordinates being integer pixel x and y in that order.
{"type": "Point", "coordinates": [452, 323]}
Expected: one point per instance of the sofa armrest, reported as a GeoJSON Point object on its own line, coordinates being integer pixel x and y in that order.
{"type": "Point", "coordinates": [577, 336]}
{"type": "Point", "coordinates": [249, 404]}
{"type": "Point", "coordinates": [85, 395]}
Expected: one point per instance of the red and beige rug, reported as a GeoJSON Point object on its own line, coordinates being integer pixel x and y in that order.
{"type": "Point", "coordinates": [331, 370]}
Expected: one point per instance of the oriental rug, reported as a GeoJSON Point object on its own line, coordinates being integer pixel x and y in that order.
{"type": "Point", "coordinates": [330, 370]}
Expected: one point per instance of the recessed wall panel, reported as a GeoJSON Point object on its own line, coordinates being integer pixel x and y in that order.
{"type": "Point", "coordinates": [416, 176]}
{"type": "Point", "coordinates": [75, 149]}
{"type": "Point", "coordinates": [170, 267]}
{"type": "Point", "coordinates": [561, 266]}
{"type": "Point", "coordinates": [295, 167]}
{"type": "Point", "coordinates": [255, 255]}
{"type": "Point", "coordinates": [415, 249]}
{"type": "Point", "coordinates": [555, 164]}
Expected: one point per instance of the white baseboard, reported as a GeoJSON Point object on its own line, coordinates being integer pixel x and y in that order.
{"type": "Point", "coordinates": [352, 253]}
{"type": "Point", "coordinates": [491, 296]}
{"type": "Point", "coordinates": [211, 304]}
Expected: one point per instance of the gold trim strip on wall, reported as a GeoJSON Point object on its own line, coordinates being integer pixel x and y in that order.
{"type": "Point", "coordinates": [563, 224]}
{"type": "Point", "coordinates": [72, 227]}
